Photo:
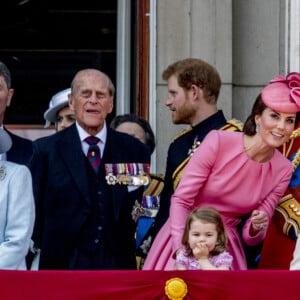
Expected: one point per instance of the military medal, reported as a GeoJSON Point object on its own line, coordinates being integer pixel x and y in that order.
{"type": "Point", "coordinates": [124, 179]}
{"type": "Point", "coordinates": [195, 145]}
{"type": "Point", "coordinates": [144, 179]}
{"type": "Point", "coordinates": [110, 178]}
{"type": "Point", "coordinates": [140, 180]}
{"type": "Point", "coordinates": [150, 205]}
{"type": "Point", "coordinates": [127, 174]}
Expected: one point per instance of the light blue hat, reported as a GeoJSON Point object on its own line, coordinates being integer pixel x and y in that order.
{"type": "Point", "coordinates": [57, 102]}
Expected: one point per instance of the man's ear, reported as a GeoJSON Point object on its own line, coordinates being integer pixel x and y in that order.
{"type": "Point", "coordinates": [111, 105]}
{"type": "Point", "coordinates": [10, 95]}
{"type": "Point", "coordinates": [71, 102]}
{"type": "Point", "coordinates": [196, 91]}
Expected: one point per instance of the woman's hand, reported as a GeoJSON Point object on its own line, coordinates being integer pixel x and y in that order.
{"type": "Point", "coordinates": [259, 220]}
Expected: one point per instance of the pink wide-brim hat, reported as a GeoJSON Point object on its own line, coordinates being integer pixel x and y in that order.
{"type": "Point", "coordinates": [282, 94]}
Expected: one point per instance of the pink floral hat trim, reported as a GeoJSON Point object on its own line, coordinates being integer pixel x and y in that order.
{"type": "Point", "coordinates": [282, 94]}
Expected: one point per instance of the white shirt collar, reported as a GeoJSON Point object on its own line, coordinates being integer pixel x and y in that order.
{"type": "Point", "coordinates": [102, 134]}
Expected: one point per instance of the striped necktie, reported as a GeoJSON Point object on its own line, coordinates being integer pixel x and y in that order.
{"type": "Point", "coordinates": [93, 154]}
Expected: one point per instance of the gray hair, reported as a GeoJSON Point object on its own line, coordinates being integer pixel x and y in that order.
{"type": "Point", "coordinates": [4, 71]}
{"type": "Point", "coordinates": [110, 85]}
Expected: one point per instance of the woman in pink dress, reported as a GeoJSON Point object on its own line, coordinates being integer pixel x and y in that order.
{"type": "Point", "coordinates": [237, 173]}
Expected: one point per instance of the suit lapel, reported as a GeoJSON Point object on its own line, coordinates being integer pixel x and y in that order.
{"type": "Point", "coordinates": [112, 154]}
{"type": "Point", "coordinates": [71, 152]}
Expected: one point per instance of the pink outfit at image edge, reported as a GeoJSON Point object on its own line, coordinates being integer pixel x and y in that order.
{"type": "Point", "coordinates": [221, 175]}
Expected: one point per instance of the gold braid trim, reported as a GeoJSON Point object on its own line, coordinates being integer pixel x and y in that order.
{"type": "Point", "coordinates": [232, 125]}
{"type": "Point", "coordinates": [178, 172]}
{"type": "Point", "coordinates": [236, 123]}
{"type": "Point", "coordinates": [295, 134]}
{"type": "Point", "coordinates": [289, 208]}
{"type": "Point", "coordinates": [285, 151]}
{"type": "Point", "coordinates": [296, 160]}
{"type": "Point", "coordinates": [183, 132]}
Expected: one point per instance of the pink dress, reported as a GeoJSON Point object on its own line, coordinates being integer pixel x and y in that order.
{"type": "Point", "coordinates": [191, 263]}
{"type": "Point", "coordinates": [221, 175]}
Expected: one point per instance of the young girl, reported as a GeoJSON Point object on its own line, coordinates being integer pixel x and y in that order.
{"type": "Point", "coordinates": [204, 242]}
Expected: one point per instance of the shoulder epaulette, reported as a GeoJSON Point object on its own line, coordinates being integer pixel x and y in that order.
{"type": "Point", "coordinates": [183, 132]}
{"type": "Point", "coordinates": [233, 125]}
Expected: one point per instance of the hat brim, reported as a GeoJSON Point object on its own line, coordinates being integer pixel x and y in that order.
{"type": "Point", "coordinates": [51, 113]}
{"type": "Point", "coordinates": [277, 96]}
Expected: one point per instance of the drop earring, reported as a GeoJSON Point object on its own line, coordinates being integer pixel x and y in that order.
{"type": "Point", "coordinates": [257, 128]}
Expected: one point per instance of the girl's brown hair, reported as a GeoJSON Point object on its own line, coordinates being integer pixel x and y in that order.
{"type": "Point", "coordinates": [210, 215]}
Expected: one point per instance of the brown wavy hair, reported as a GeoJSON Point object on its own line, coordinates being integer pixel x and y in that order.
{"type": "Point", "coordinates": [257, 109]}
{"type": "Point", "coordinates": [195, 71]}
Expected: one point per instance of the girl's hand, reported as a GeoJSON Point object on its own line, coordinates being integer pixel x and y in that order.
{"type": "Point", "coordinates": [201, 251]}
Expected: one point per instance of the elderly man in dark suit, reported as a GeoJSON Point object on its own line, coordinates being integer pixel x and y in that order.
{"type": "Point", "coordinates": [83, 215]}
{"type": "Point", "coordinates": [21, 150]}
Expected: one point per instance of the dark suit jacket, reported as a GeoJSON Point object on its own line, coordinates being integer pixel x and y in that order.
{"type": "Point", "coordinates": [63, 201]}
{"type": "Point", "coordinates": [21, 150]}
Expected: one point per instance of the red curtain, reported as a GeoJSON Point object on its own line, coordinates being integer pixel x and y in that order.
{"type": "Point", "coordinates": [148, 285]}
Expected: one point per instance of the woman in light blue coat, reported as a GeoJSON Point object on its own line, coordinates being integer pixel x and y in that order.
{"type": "Point", "coordinates": [17, 211]}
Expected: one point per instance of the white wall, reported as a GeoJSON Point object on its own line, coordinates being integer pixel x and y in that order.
{"type": "Point", "coordinates": [248, 41]}
{"type": "Point", "coordinates": [191, 28]}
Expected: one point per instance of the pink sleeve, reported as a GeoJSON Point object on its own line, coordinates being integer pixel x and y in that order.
{"type": "Point", "coordinates": [194, 177]}
{"type": "Point", "coordinates": [268, 205]}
